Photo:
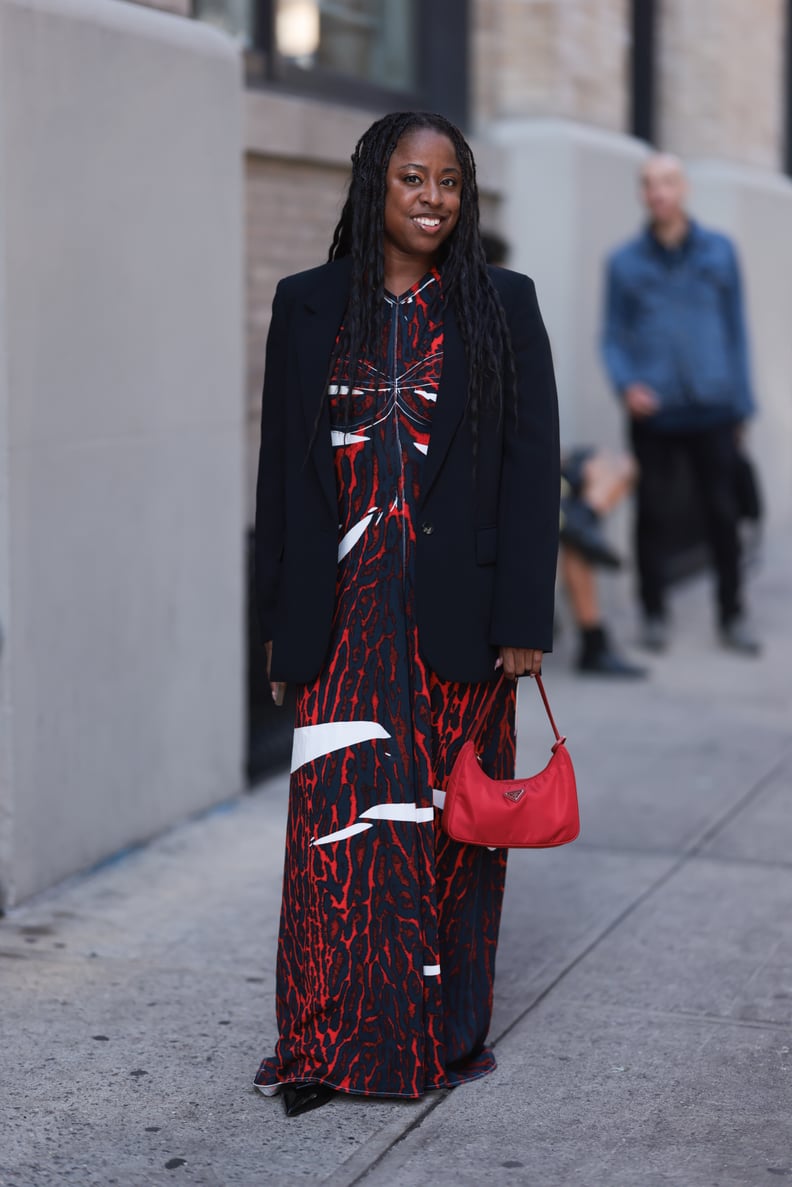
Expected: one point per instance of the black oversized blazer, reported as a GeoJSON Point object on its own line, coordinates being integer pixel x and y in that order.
{"type": "Point", "coordinates": [487, 537]}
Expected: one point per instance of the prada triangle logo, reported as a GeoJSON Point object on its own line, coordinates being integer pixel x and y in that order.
{"type": "Point", "coordinates": [515, 796]}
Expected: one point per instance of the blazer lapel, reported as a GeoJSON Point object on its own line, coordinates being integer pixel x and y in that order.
{"type": "Point", "coordinates": [451, 400]}
{"type": "Point", "coordinates": [322, 314]}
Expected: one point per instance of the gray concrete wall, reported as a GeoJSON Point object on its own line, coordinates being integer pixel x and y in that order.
{"type": "Point", "coordinates": [754, 206]}
{"type": "Point", "coordinates": [121, 429]}
{"type": "Point", "coordinates": [5, 584]}
{"type": "Point", "coordinates": [569, 194]}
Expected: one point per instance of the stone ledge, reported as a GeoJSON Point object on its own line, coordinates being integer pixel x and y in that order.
{"type": "Point", "coordinates": [301, 129]}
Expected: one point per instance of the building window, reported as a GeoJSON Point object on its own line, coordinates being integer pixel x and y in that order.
{"type": "Point", "coordinates": [380, 54]}
{"type": "Point", "coordinates": [232, 16]}
{"type": "Point", "coordinates": [368, 40]}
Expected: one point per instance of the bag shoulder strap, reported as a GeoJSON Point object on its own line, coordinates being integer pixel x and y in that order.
{"type": "Point", "coordinates": [481, 719]}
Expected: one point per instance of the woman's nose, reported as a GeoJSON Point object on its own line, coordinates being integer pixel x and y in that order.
{"type": "Point", "coordinates": [432, 193]}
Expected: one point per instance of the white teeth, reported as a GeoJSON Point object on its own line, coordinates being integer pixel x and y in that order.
{"type": "Point", "coordinates": [428, 222]}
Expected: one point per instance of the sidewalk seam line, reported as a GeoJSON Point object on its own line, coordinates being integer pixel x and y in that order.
{"type": "Point", "coordinates": [415, 1123]}
{"type": "Point", "coordinates": [712, 831]}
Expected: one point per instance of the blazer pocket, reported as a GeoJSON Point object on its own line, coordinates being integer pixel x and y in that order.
{"type": "Point", "coordinates": [486, 546]}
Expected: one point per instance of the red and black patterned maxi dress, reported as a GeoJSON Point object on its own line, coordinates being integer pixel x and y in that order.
{"type": "Point", "coordinates": [388, 931]}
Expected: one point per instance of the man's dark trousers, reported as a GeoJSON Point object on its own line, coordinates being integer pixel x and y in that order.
{"type": "Point", "coordinates": [712, 456]}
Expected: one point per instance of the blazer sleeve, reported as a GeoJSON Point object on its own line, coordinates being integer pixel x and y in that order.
{"type": "Point", "coordinates": [528, 509]}
{"type": "Point", "coordinates": [270, 500]}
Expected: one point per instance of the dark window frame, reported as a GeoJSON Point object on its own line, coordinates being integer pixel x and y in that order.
{"type": "Point", "coordinates": [643, 69]}
{"type": "Point", "coordinates": [441, 64]}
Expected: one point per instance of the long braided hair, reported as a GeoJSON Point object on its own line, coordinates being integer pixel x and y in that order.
{"type": "Point", "coordinates": [465, 279]}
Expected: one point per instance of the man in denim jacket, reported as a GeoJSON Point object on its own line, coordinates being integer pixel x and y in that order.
{"type": "Point", "coordinates": [676, 351]}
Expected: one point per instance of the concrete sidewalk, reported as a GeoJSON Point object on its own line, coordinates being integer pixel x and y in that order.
{"type": "Point", "coordinates": [643, 1021]}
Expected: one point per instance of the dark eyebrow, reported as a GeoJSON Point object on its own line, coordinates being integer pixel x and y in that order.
{"type": "Point", "coordinates": [413, 165]}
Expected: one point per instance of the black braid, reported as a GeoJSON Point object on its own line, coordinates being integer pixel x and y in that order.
{"type": "Point", "coordinates": [466, 282]}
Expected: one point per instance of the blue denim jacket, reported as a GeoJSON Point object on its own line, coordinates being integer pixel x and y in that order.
{"type": "Point", "coordinates": [674, 321]}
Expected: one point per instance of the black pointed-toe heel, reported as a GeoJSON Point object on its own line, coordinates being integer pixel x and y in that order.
{"type": "Point", "coordinates": [301, 1098]}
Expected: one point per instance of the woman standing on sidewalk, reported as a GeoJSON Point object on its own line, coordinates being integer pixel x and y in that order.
{"type": "Point", "coordinates": [406, 537]}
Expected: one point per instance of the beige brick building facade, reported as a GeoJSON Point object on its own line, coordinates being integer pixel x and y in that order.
{"type": "Point", "coordinates": [721, 68]}
{"type": "Point", "coordinates": [291, 209]}
{"type": "Point", "coordinates": [560, 58]}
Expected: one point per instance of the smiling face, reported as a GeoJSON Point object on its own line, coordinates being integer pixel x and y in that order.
{"type": "Point", "coordinates": [423, 188]}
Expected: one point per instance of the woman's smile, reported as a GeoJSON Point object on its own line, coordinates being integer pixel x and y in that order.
{"type": "Point", "coordinates": [429, 222]}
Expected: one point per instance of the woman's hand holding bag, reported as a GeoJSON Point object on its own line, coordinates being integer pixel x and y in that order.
{"type": "Point", "coordinates": [520, 661]}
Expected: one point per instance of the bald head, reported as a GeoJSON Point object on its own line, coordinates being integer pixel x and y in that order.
{"type": "Point", "coordinates": [664, 188]}
{"type": "Point", "coordinates": [662, 164]}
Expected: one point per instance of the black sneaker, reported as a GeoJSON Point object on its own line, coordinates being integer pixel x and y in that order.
{"type": "Point", "coordinates": [610, 663]}
{"type": "Point", "coordinates": [654, 633]}
{"type": "Point", "coordinates": [736, 635]}
{"type": "Point", "coordinates": [598, 657]}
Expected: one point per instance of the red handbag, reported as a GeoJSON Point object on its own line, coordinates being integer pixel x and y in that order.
{"type": "Point", "coordinates": [533, 813]}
